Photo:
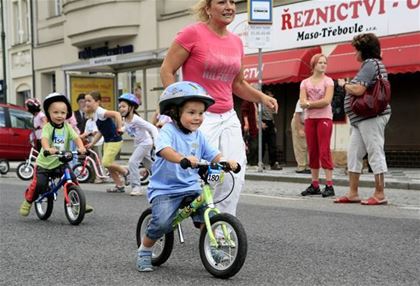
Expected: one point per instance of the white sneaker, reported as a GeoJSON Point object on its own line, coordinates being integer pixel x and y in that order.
{"type": "Point", "coordinates": [136, 191]}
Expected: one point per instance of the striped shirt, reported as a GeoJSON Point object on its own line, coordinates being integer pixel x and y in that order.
{"type": "Point", "coordinates": [366, 77]}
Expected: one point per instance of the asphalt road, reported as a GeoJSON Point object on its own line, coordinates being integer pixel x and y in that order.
{"type": "Point", "coordinates": [292, 241]}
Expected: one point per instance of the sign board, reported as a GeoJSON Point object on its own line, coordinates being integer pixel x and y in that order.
{"type": "Point", "coordinates": [83, 84]}
{"type": "Point", "coordinates": [312, 23]}
{"type": "Point", "coordinates": [258, 36]}
{"type": "Point", "coordinates": [260, 11]}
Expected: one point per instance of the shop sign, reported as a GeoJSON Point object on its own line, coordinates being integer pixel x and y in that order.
{"type": "Point", "coordinates": [86, 84]}
{"type": "Point", "coordinates": [90, 52]}
{"type": "Point", "coordinates": [312, 23]}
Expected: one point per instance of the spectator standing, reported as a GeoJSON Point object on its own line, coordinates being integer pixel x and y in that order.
{"type": "Point", "coordinates": [299, 140]}
{"type": "Point", "coordinates": [269, 135]}
{"type": "Point", "coordinates": [250, 130]}
{"type": "Point", "coordinates": [80, 113]}
{"type": "Point", "coordinates": [367, 134]}
{"type": "Point", "coordinates": [316, 93]}
{"type": "Point", "coordinates": [211, 56]}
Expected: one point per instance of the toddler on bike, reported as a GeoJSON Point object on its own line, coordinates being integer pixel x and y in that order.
{"type": "Point", "coordinates": [112, 136]}
{"type": "Point", "coordinates": [144, 134]}
{"type": "Point", "coordinates": [185, 102]}
{"type": "Point", "coordinates": [56, 136]}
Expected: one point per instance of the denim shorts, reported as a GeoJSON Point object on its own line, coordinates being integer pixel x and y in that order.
{"type": "Point", "coordinates": [164, 210]}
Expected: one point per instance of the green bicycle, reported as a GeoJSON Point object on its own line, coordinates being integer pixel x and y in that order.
{"type": "Point", "coordinates": [222, 232]}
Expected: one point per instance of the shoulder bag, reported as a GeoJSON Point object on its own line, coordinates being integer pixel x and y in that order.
{"type": "Point", "coordinates": [375, 99]}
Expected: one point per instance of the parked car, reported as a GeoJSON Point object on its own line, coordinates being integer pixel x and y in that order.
{"type": "Point", "coordinates": [15, 129]}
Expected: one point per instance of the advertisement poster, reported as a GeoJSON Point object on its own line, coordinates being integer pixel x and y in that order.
{"type": "Point", "coordinates": [82, 84]}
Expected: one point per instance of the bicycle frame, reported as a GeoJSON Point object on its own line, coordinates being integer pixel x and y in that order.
{"type": "Point", "coordinates": [65, 181]}
{"type": "Point", "coordinates": [32, 156]}
{"type": "Point", "coordinates": [97, 166]}
{"type": "Point", "coordinates": [206, 199]}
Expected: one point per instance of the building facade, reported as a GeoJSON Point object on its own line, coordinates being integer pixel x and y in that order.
{"type": "Point", "coordinates": [112, 45]}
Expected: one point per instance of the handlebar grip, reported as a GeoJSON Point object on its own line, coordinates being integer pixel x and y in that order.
{"type": "Point", "coordinates": [185, 163]}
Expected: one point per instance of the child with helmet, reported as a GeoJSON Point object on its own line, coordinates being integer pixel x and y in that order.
{"type": "Point", "coordinates": [56, 136]}
{"type": "Point", "coordinates": [144, 134]}
{"type": "Point", "coordinates": [34, 106]}
{"type": "Point", "coordinates": [109, 123]}
{"type": "Point", "coordinates": [185, 102]}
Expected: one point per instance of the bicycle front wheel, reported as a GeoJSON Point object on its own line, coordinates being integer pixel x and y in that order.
{"type": "Point", "coordinates": [76, 207]}
{"type": "Point", "coordinates": [228, 257]}
{"type": "Point", "coordinates": [83, 175]}
{"type": "Point", "coordinates": [163, 247]}
{"type": "Point", "coordinates": [25, 171]}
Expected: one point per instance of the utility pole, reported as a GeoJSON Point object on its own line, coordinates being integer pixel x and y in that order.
{"type": "Point", "coordinates": [4, 51]}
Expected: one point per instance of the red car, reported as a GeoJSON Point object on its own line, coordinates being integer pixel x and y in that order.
{"type": "Point", "coordinates": [15, 129]}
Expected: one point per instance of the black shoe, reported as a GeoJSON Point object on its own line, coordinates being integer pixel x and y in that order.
{"type": "Point", "coordinates": [305, 171]}
{"type": "Point", "coordinates": [276, 166]}
{"type": "Point", "coordinates": [328, 191]}
{"type": "Point", "coordinates": [311, 191]}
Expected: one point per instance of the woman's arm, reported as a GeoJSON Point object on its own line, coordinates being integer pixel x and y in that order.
{"type": "Point", "coordinates": [352, 88]}
{"type": "Point", "coordinates": [174, 59]}
{"type": "Point", "coordinates": [244, 90]}
{"type": "Point", "coordinates": [326, 100]}
{"type": "Point", "coordinates": [303, 98]}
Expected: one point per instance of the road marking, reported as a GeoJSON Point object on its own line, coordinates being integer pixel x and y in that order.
{"type": "Point", "coordinates": [273, 197]}
{"type": "Point", "coordinates": [407, 207]}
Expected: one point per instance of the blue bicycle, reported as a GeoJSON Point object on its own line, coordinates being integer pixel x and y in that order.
{"type": "Point", "coordinates": [74, 198]}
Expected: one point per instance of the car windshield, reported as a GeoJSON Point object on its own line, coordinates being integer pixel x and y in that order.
{"type": "Point", "coordinates": [20, 119]}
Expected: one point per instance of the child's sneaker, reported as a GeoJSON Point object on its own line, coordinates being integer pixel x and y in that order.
{"type": "Point", "coordinates": [218, 255]}
{"type": "Point", "coordinates": [136, 191]}
{"type": "Point", "coordinates": [144, 261]}
{"type": "Point", "coordinates": [126, 178]}
{"type": "Point", "coordinates": [25, 208]}
{"type": "Point", "coordinates": [311, 190]}
{"type": "Point", "coordinates": [328, 191]}
{"type": "Point", "coordinates": [88, 209]}
{"type": "Point", "coordinates": [116, 189]}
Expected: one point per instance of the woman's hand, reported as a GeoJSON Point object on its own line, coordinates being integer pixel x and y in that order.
{"type": "Point", "coordinates": [270, 103]}
{"type": "Point", "coordinates": [341, 82]}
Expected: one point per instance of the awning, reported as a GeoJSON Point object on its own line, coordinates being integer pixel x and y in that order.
{"type": "Point", "coordinates": [280, 66]}
{"type": "Point", "coordinates": [400, 54]}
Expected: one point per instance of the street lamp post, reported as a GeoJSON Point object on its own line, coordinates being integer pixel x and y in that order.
{"type": "Point", "coordinates": [3, 48]}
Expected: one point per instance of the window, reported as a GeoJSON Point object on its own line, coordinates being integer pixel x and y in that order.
{"type": "Point", "coordinates": [21, 19]}
{"type": "Point", "coordinates": [20, 119]}
{"type": "Point", "coordinates": [55, 7]}
{"type": "Point", "coordinates": [2, 118]}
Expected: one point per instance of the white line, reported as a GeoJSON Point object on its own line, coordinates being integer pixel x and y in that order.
{"type": "Point", "coordinates": [272, 197]}
{"type": "Point", "coordinates": [409, 207]}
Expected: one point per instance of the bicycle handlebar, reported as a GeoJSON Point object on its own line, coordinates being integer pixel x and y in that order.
{"type": "Point", "coordinates": [65, 156]}
{"type": "Point", "coordinates": [185, 163]}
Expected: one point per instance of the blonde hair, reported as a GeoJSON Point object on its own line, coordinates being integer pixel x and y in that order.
{"type": "Point", "coordinates": [199, 10]}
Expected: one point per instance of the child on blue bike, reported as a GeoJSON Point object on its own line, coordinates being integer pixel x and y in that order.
{"type": "Point", "coordinates": [185, 102]}
{"type": "Point", "coordinates": [56, 136]}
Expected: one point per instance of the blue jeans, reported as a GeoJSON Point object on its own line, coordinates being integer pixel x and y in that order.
{"type": "Point", "coordinates": [164, 210]}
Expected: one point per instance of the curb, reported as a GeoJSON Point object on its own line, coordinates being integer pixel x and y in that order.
{"type": "Point", "coordinates": [337, 181]}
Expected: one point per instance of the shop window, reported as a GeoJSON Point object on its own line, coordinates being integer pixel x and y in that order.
{"type": "Point", "coordinates": [21, 96]}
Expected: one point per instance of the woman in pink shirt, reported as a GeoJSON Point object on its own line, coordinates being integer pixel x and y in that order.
{"type": "Point", "coordinates": [211, 56]}
{"type": "Point", "coordinates": [316, 93]}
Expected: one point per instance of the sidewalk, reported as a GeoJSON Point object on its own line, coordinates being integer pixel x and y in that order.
{"type": "Point", "coordinates": [396, 178]}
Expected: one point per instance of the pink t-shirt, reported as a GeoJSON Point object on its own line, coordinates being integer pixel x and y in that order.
{"type": "Point", "coordinates": [38, 124]}
{"type": "Point", "coordinates": [317, 92]}
{"type": "Point", "coordinates": [214, 62]}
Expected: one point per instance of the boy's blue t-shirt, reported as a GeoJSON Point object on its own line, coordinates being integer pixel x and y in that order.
{"type": "Point", "coordinates": [169, 178]}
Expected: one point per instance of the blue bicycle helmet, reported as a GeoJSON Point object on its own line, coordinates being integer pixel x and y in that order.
{"type": "Point", "coordinates": [177, 93]}
{"type": "Point", "coordinates": [130, 99]}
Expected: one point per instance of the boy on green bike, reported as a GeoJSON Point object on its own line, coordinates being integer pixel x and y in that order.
{"type": "Point", "coordinates": [56, 136]}
{"type": "Point", "coordinates": [185, 102]}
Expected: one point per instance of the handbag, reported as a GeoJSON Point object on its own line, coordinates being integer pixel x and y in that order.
{"type": "Point", "coordinates": [375, 99]}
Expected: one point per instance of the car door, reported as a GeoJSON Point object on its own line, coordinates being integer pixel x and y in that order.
{"type": "Point", "coordinates": [21, 128]}
{"type": "Point", "coordinates": [4, 134]}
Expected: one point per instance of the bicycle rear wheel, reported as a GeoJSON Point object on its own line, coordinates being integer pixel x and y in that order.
{"type": "Point", "coordinates": [83, 176]}
{"type": "Point", "coordinates": [163, 247]}
{"type": "Point", "coordinates": [228, 258]}
{"type": "Point", "coordinates": [44, 208]}
{"type": "Point", "coordinates": [75, 209]}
